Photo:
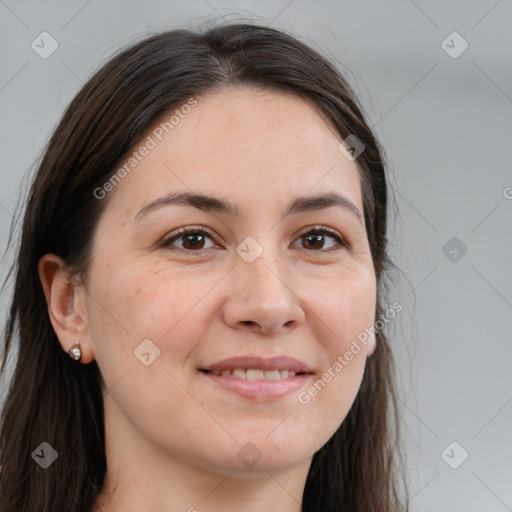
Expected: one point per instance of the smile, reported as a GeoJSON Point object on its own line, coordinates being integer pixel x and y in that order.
{"type": "Point", "coordinates": [254, 387]}
{"type": "Point", "coordinates": [254, 374]}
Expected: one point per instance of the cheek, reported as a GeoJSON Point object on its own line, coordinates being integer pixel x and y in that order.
{"type": "Point", "coordinates": [171, 310]}
{"type": "Point", "coordinates": [153, 303]}
{"type": "Point", "coordinates": [346, 311]}
{"type": "Point", "coordinates": [346, 307]}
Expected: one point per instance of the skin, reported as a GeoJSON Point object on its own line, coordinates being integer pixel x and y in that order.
{"type": "Point", "coordinates": [172, 435]}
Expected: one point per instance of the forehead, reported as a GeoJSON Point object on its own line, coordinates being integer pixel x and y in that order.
{"type": "Point", "coordinates": [239, 121]}
{"type": "Point", "coordinates": [239, 143]}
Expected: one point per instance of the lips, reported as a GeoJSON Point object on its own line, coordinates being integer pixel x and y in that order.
{"type": "Point", "coordinates": [253, 374]}
{"type": "Point", "coordinates": [279, 364]}
{"type": "Point", "coordinates": [257, 378]}
{"type": "Point", "coordinates": [258, 390]}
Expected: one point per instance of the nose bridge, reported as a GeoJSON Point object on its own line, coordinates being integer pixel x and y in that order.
{"type": "Point", "coordinates": [260, 269]}
{"type": "Point", "coordinates": [260, 292]}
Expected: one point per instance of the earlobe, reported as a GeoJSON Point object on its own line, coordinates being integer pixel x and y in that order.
{"type": "Point", "coordinates": [66, 307]}
{"type": "Point", "coordinates": [371, 345]}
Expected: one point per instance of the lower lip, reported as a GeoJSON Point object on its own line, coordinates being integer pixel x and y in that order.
{"type": "Point", "coordinates": [260, 389]}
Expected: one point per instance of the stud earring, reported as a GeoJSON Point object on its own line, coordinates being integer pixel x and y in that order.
{"type": "Point", "coordinates": [75, 352]}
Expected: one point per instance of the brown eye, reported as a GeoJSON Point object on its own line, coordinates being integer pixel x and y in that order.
{"type": "Point", "coordinates": [314, 239]}
{"type": "Point", "coordinates": [192, 239]}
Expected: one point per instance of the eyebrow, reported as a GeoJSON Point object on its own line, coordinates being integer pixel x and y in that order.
{"type": "Point", "coordinates": [214, 204]}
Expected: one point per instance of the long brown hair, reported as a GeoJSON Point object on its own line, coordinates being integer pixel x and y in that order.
{"type": "Point", "coordinates": [51, 398]}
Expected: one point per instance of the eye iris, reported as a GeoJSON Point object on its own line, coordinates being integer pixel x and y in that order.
{"type": "Point", "coordinates": [194, 240]}
{"type": "Point", "coordinates": [319, 240]}
{"type": "Point", "coordinates": [194, 245]}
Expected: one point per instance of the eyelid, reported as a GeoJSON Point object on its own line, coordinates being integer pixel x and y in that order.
{"type": "Point", "coordinates": [321, 228]}
{"type": "Point", "coordinates": [326, 230]}
{"type": "Point", "coordinates": [181, 232]}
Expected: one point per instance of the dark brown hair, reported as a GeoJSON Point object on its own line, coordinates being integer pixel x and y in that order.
{"type": "Point", "coordinates": [52, 398]}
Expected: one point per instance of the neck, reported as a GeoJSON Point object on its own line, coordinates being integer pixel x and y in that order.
{"type": "Point", "coordinates": [190, 489]}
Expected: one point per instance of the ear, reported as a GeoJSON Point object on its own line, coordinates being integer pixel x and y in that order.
{"type": "Point", "coordinates": [371, 345]}
{"type": "Point", "coordinates": [66, 306]}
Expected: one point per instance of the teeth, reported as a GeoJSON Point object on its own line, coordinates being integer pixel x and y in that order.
{"type": "Point", "coordinates": [239, 374]}
{"type": "Point", "coordinates": [253, 374]}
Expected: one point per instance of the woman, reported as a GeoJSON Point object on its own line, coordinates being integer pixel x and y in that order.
{"type": "Point", "coordinates": [205, 237]}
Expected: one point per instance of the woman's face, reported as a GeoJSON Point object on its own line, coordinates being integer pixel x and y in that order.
{"type": "Point", "coordinates": [263, 284]}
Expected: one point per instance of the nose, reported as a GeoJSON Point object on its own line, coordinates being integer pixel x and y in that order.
{"type": "Point", "coordinates": [261, 300]}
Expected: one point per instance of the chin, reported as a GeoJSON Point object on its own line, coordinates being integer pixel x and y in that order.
{"type": "Point", "coordinates": [256, 456]}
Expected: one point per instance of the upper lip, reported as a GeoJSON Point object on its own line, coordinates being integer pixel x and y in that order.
{"type": "Point", "coordinates": [259, 363]}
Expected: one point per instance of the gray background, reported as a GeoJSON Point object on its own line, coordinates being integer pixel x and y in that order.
{"type": "Point", "coordinates": [445, 122]}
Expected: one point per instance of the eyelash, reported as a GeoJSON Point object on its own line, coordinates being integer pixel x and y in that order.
{"type": "Point", "coordinates": [181, 232]}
